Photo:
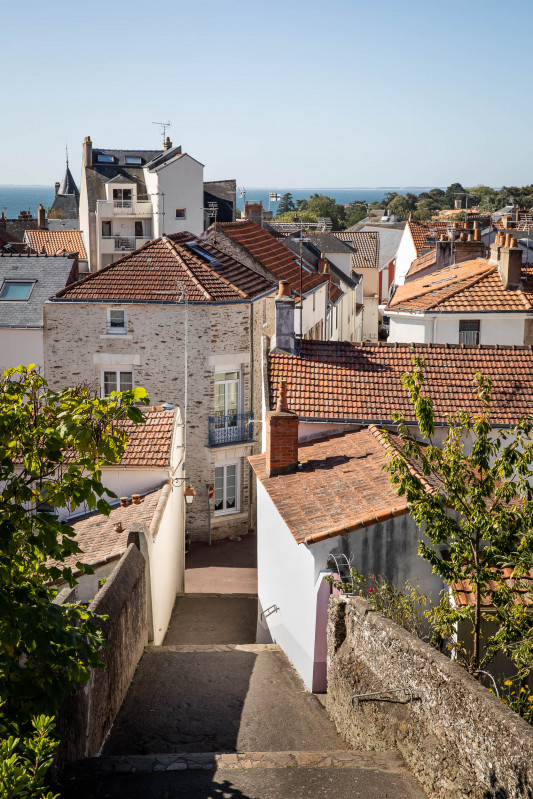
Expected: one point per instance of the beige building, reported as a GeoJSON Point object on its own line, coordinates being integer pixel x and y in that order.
{"type": "Point", "coordinates": [187, 323]}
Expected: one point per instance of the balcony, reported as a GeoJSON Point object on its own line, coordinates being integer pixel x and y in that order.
{"type": "Point", "coordinates": [108, 208]}
{"type": "Point", "coordinates": [232, 429]}
{"type": "Point", "coordinates": [124, 243]}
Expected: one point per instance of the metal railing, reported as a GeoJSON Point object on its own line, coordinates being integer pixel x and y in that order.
{"type": "Point", "coordinates": [235, 427]}
{"type": "Point", "coordinates": [469, 337]}
{"type": "Point", "coordinates": [124, 243]}
{"type": "Point", "coordinates": [123, 206]}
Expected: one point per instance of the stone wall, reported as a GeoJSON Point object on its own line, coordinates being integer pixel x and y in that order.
{"type": "Point", "coordinates": [458, 739]}
{"type": "Point", "coordinates": [86, 718]}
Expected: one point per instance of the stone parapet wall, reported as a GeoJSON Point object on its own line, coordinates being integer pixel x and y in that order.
{"type": "Point", "coordinates": [86, 718]}
{"type": "Point", "coordinates": [457, 738]}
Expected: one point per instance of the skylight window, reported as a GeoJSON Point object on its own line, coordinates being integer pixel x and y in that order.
{"type": "Point", "coordinates": [16, 290]}
{"type": "Point", "coordinates": [105, 159]}
{"type": "Point", "coordinates": [196, 248]}
{"type": "Point", "coordinates": [133, 159]}
{"type": "Point", "coordinates": [436, 282]}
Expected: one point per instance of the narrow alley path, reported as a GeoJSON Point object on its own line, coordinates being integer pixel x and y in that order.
{"type": "Point", "coordinates": [212, 715]}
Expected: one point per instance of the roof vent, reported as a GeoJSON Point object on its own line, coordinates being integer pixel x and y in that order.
{"type": "Point", "coordinates": [167, 406]}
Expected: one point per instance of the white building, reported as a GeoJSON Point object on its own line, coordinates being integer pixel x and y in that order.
{"type": "Point", "coordinates": [417, 238]}
{"type": "Point", "coordinates": [475, 302]}
{"type": "Point", "coordinates": [129, 197]}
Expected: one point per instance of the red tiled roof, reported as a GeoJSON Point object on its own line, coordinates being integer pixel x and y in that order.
{"type": "Point", "coordinates": [425, 261]}
{"type": "Point", "coordinates": [339, 487]}
{"type": "Point", "coordinates": [149, 444]}
{"type": "Point", "coordinates": [362, 382]}
{"type": "Point", "coordinates": [271, 254]}
{"type": "Point", "coordinates": [366, 247]}
{"type": "Point", "coordinates": [52, 242]}
{"type": "Point", "coordinates": [464, 595]}
{"type": "Point", "coordinates": [98, 537]}
{"type": "Point", "coordinates": [470, 286]}
{"type": "Point", "coordinates": [420, 231]}
{"type": "Point", "coordinates": [158, 272]}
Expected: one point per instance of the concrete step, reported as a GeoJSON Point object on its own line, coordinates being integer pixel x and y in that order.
{"type": "Point", "coordinates": [249, 775]}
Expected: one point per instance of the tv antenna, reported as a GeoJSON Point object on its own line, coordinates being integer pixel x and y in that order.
{"type": "Point", "coordinates": [163, 127]}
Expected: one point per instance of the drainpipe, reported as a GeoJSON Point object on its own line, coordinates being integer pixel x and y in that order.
{"type": "Point", "coordinates": [434, 339]}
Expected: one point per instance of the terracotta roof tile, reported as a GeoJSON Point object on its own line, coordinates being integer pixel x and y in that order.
{"type": "Point", "coordinates": [157, 272]}
{"type": "Point", "coordinates": [424, 234]}
{"type": "Point", "coordinates": [470, 286]}
{"type": "Point", "coordinates": [272, 255]}
{"type": "Point", "coordinates": [98, 536]}
{"type": "Point", "coordinates": [363, 382]}
{"type": "Point", "coordinates": [52, 242]}
{"type": "Point", "coordinates": [464, 595]}
{"type": "Point", "coordinates": [365, 245]}
{"type": "Point", "coordinates": [339, 487]}
{"type": "Point", "coordinates": [149, 444]}
{"type": "Point", "coordinates": [423, 262]}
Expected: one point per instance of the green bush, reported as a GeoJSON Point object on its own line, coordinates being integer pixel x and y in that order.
{"type": "Point", "coordinates": [24, 762]}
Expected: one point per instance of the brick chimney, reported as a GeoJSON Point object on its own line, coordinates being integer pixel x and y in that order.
{"type": "Point", "coordinates": [87, 159]}
{"type": "Point", "coordinates": [510, 263]}
{"type": "Point", "coordinates": [3, 221]}
{"type": "Point", "coordinates": [443, 254]}
{"type": "Point", "coordinates": [167, 144]}
{"type": "Point", "coordinates": [57, 185]}
{"type": "Point", "coordinates": [41, 217]}
{"type": "Point", "coordinates": [281, 437]}
{"type": "Point", "coordinates": [284, 337]}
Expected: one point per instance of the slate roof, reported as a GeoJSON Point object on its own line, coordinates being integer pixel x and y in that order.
{"type": "Point", "coordinates": [9, 238]}
{"type": "Point", "coordinates": [363, 382]}
{"type": "Point", "coordinates": [327, 242]}
{"type": "Point", "coordinates": [68, 184]}
{"type": "Point", "coordinates": [98, 536]}
{"type": "Point", "coordinates": [50, 275]}
{"type": "Point", "coordinates": [364, 246]}
{"type": "Point", "coordinates": [339, 486]}
{"type": "Point", "coordinates": [66, 205]}
{"type": "Point", "coordinates": [98, 174]}
{"type": "Point", "coordinates": [472, 286]}
{"type": "Point", "coordinates": [54, 241]}
{"type": "Point", "coordinates": [148, 444]}
{"type": "Point", "coordinates": [272, 255]}
{"type": "Point", "coordinates": [159, 270]}
{"type": "Point", "coordinates": [63, 224]}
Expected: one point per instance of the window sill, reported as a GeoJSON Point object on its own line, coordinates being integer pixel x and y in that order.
{"type": "Point", "coordinates": [120, 336]}
{"type": "Point", "coordinates": [220, 513]}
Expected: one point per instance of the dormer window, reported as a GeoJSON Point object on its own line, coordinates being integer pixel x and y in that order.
{"type": "Point", "coordinates": [104, 159]}
{"type": "Point", "coordinates": [133, 159]}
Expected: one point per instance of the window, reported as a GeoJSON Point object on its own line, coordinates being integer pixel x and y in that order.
{"type": "Point", "coordinates": [469, 331]}
{"type": "Point", "coordinates": [203, 253]}
{"type": "Point", "coordinates": [117, 381]}
{"type": "Point", "coordinates": [227, 488]}
{"type": "Point", "coordinates": [122, 198]}
{"type": "Point", "coordinates": [16, 290]}
{"type": "Point", "coordinates": [226, 398]}
{"type": "Point", "coordinates": [133, 159]}
{"type": "Point", "coordinates": [106, 229]}
{"type": "Point", "coordinates": [104, 159]}
{"type": "Point", "coordinates": [138, 229]}
{"type": "Point", "coordinates": [181, 213]}
{"type": "Point", "coordinates": [116, 321]}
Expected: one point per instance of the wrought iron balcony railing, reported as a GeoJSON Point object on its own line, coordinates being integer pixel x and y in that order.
{"type": "Point", "coordinates": [236, 427]}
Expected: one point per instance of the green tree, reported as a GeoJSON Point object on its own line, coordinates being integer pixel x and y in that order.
{"type": "Point", "coordinates": [425, 209]}
{"type": "Point", "coordinates": [452, 194]}
{"type": "Point", "coordinates": [355, 213]}
{"type": "Point", "coordinates": [474, 502]}
{"type": "Point", "coordinates": [323, 206]}
{"type": "Point", "coordinates": [286, 204]}
{"type": "Point", "coordinates": [25, 760]}
{"type": "Point", "coordinates": [400, 206]}
{"type": "Point", "coordinates": [52, 447]}
{"type": "Point", "coordinates": [388, 197]}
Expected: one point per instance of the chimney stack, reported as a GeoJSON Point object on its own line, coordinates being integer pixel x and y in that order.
{"type": "Point", "coordinates": [167, 144]}
{"type": "Point", "coordinates": [87, 159]}
{"type": "Point", "coordinates": [284, 337]}
{"type": "Point", "coordinates": [41, 217]}
{"type": "Point", "coordinates": [281, 437]}
{"type": "Point", "coordinates": [510, 263]}
{"type": "Point", "coordinates": [443, 253]}
{"type": "Point", "coordinates": [57, 185]}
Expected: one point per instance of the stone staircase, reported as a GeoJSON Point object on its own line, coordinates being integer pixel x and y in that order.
{"type": "Point", "coordinates": [228, 719]}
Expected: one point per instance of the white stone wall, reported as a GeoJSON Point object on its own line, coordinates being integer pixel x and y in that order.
{"type": "Point", "coordinates": [20, 347]}
{"type": "Point", "coordinates": [504, 329]}
{"type": "Point", "coordinates": [404, 257]}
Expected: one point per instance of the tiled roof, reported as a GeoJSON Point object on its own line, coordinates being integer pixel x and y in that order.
{"type": "Point", "coordinates": [98, 536]}
{"type": "Point", "coordinates": [362, 382]}
{"type": "Point", "coordinates": [423, 262]}
{"type": "Point", "coordinates": [365, 248]}
{"type": "Point", "coordinates": [464, 595]}
{"type": "Point", "coordinates": [52, 242]}
{"type": "Point", "coordinates": [339, 487]}
{"type": "Point", "coordinates": [470, 286]}
{"type": "Point", "coordinates": [158, 272]}
{"type": "Point", "coordinates": [149, 444]}
{"type": "Point", "coordinates": [421, 231]}
{"type": "Point", "coordinates": [271, 254]}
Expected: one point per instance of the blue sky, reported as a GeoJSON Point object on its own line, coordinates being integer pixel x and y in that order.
{"type": "Point", "coordinates": [336, 93]}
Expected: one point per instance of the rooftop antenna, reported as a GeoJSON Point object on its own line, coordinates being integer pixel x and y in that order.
{"type": "Point", "coordinates": [66, 151]}
{"type": "Point", "coordinates": [163, 126]}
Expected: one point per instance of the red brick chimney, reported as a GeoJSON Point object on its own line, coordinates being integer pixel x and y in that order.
{"type": "Point", "coordinates": [281, 437]}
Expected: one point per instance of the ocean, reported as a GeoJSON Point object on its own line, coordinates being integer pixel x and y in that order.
{"type": "Point", "coordinates": [14, 199]}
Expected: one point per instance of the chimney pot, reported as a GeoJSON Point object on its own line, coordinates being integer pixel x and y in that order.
{"type": "Point", "coordinates": [167, 144]}
{"type": "Point", "coordinates": [124, 501]}
{"type": "Point", "coordinates": [118, 527]}
{"type": "Point", "coordinates": [136, 499]}
{"type": "Point", "coordinates": [470, 237]}
{"type": "Point", "coordinates": [57, 185]}
{"type": "Point", "coordinates": [477, 234]}
{"type": "Point", "coordinates": [284, 288]}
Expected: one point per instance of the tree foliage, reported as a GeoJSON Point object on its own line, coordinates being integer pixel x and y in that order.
{"type": "Point", "coordinates": [286, 204]}
{"type": "Point", "coordinates": [25, 760]}
{"type": "Point", "coordinates": [52, 447]}
{"type": "Point", "coordinates": [474, 502]}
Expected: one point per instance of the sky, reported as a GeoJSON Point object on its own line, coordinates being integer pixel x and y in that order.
{"type": "Point", "coordinates": [344, 93]}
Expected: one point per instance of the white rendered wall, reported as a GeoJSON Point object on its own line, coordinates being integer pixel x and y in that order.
{"type": "Point", "coordinates": [410, 329]}
{"type": "Point", "coordinates": [286, 578]}
{"type": "Point", "coordinates": [125, 482]}
{"type": "Point", "coordinates": [504, 329]}
{"type": "Point", "coordinates": [21, 347]}
{"type": "Point", "coordinates": [181, 181]}
{"type": "Point", "coordinates": [167, 562]}
{"type": "Point", "coordinates": [404, 257]}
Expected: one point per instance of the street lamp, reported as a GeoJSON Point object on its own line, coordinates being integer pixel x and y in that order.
{"type": "Point", "coordinates": [189, 493]}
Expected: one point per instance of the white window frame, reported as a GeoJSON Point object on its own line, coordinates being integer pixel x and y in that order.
{"type": "Point", "coordinates": [184, 213]}
{"type": "Point", "coordinates": [237, 508]}
{"type": "Point", "coordinates": [116, 331]}
{"type": "Point", "coordinates": [226, 369]}
{"type": "Point", "coordinates": [128, 369]}
{"type": "Point", "coordinates": [478, 331]}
